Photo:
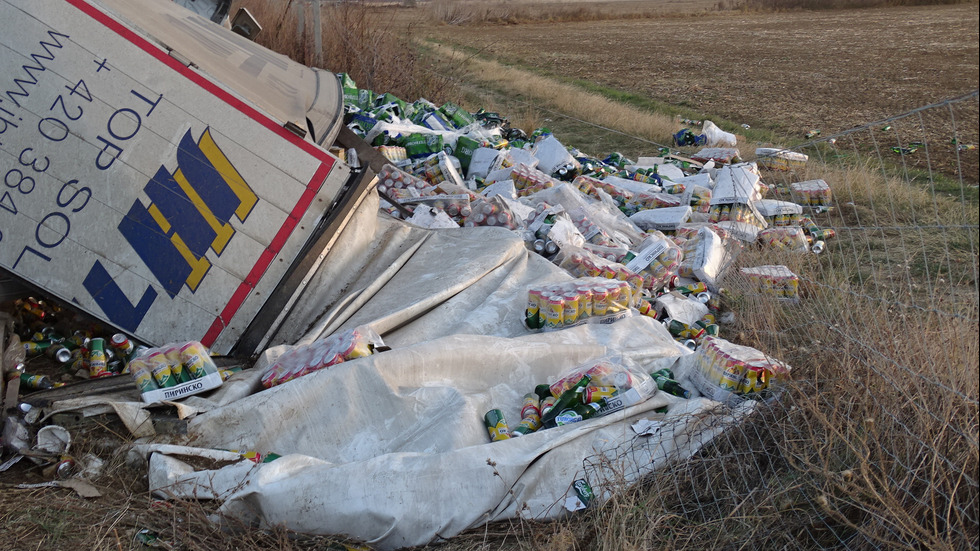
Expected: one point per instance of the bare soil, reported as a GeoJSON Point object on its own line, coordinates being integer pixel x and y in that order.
{"type": "Point", "coordinates": [784, 74]}
{"type": "Point", "coordinates": [792, 72]}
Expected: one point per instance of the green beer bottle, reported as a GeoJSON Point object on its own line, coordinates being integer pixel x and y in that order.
{"type": "Point", "coordinates": [665, 382]}
{"type": "Point", "coordinates": [579, 412]}
{"type": "Point", "coordinates": [565, 401]}
{"type": "Point", "coordinates": [543, 391]}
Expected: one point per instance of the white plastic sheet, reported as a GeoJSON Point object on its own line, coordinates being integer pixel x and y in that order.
{"type": "Point", "coordinates": [391, 449]}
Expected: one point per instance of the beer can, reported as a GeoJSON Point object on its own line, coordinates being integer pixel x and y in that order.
{"type": "Point", "coordinates": [823, 235]}
{"type": "Point", "coordinates": [626, 295]}
{"type": "Point", "coordinates": [676, 327]}
{"type": "Point", "coordinates": [564, 384]}
{"type": "Point", "coordinates": [526, 426]}
{"type": "Point", "coordinates": [36, 382]}
{"type": "Point", "coordinates": [162, 374]}
{"type": "Point", "coordinates": [272, 376]}
{"type": "Point", "coordinates": [635, 282]}
{"type": "Point", "coordinates": [600, 301]}
{"type": "Point", "coordinates": [693, 288]}
{"type": "Point", "coordinates": [59, 353]}
{"type": "Point", "coordinates": [590, 269]}
{"type": "Point", "coordinates": [138, 351]}
{"type": "Point", "coordinates": [570, 315]}
{"type": "Point", "coordinates": [596, 393]}
{"type": "Point", "coordinates": [155, 357]}
{"type": "Point", "coordinates": [584, 491]}
{"type": "Point", "coordinates": [531, 405]}
{"type": "Point", "coordinates": [532, 314]}
{"type": "Point", "coordinates": [614, 299]}
{"type": "Point", "coordinates": [530, 417]}
{"type": "Point", "coordinates": [122, 343]}
{"type": "Point", "coordinates": [195, 359]}
{"type": "Point", "coordinates": [547, 404]}
{"type": "Point", "coordinates": [496, 425]}
{"type": "Point", "coordinates": [227, 373]}
{"type": "Point", "coordinates": [359, 347]}
{"type": "Point", "coordinates": [755, 378]}
{"type": "Point", "coordinates": [97, 358]}
{"type": "Point", "coordinates": [180, 375]}
{"type": "Point", "coordinates": [538, 246]}
{"type": "Point", "coordinates": [115, 366]}
{"type": "Point", "coordinates": [78, 339]}
{"type": "Point", "coordinates": [724, 213]}
{"type": "Point", "coordinates": [80, 362]}
{"type": "Point", "coordinates": [554, 312]}
{"type": "Point", "coordinates": [585, 301]}
{"type": "Point", "coordinates": [33, 348]}
{"type": "Point", "coordinates": [142, 376]}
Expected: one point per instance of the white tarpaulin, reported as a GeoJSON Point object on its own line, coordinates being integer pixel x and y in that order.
{"type": "Point", "coordinates": [391, 449]}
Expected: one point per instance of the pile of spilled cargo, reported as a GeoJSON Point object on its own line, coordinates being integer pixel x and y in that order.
{"type": "Point", "coordinates": [63, 345]}
{"type": "Point", "coordinates": [654, 236]}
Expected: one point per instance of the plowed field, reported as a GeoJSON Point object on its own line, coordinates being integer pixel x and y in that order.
{"type": "Point", "coordinates": [790, 71]}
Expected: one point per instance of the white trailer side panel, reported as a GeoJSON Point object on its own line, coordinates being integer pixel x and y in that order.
{"type": "Point", "coordinates": [139, 189]}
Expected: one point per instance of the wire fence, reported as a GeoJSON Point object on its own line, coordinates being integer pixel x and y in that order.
{"type": "Point", "coordinates": [874, 442]}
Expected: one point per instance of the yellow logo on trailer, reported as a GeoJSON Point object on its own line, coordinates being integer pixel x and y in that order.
{"type": "Point", "coordinates": [189, 214]}
{"type": "Point", "coordinates": [223, 231]}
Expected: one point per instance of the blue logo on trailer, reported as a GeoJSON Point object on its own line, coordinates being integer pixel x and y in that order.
{"type": "Point", "coordinates": [189, 214]}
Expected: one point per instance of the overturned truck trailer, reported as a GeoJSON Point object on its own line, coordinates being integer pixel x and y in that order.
{"type": "Point", "coordinates": [163, 173]}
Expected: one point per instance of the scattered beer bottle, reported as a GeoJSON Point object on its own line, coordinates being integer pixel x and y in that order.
{"type": "Point", "coordinates": [665, 382]}
{"type": "Point", "coordinates": [565, 401]}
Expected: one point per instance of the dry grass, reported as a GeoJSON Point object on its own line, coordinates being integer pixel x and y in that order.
{"type": "Point", "coordinates": [511, 12]}
{"type": "Point", "coordinates": [372, 44]}
{"type": "Point", "coordinates": [567, 99]}
{"type": "Point", "coordinates": [505, 12]}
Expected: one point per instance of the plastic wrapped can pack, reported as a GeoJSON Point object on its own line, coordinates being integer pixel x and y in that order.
{"type": "Point", "coordinates": [164, 373]}
{"type": "Point", "coordinates": [339, 347]}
